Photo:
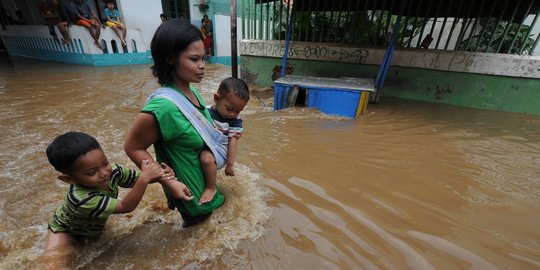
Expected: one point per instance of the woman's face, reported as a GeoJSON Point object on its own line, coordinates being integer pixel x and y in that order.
{"type": "Point", "coordinates": [189, 64]}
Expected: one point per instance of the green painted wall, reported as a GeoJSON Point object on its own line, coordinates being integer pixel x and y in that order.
{"type": "Point", "coordinates": [224, 7]}
{"type": "Point", "coordinates": [500, 93]}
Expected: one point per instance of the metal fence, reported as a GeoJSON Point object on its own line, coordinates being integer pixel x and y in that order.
{"type": "Point", "coordinates": [493, 26]}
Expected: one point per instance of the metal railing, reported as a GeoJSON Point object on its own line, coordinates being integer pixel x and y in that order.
{"type": "Point", "coordinates": [492, 26]}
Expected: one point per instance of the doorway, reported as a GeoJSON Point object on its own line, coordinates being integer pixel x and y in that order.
{"type": "Point", "coordinates": [176, 9]}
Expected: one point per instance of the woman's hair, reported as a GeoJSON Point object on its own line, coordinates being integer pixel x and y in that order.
{"type": "Point", "coordinates": [65, 149]}
{"type": "Point", "coordinates": [171, 38]}
{"type": "Point", "coordinates": [236, 86]}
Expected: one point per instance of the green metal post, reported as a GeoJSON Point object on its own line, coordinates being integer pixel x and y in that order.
{"type": "Point", "coordinates": [300, 23]}
{"type": "Point", "coordinates": [243, 20]}
{"type": "Point", "coordinates": [465, 24]}
{"type": "Point", "coordinates": [339, 20]}
{"type": "Point", "coordinates": [444, 24]}
{"type": "Point", "coordinates": [280, 17]}
{"type": "Point", "coordinates": [267, 21]}
{"type": "Point", "coordinates": [414, 22]}
{"type": "Point", "coordinates": [492, 38]}
{"type": "Point", "coordinates": [308, 21]}
{"type": "Point", "coordinates": [347, 26]}
{"type": "Point", "coordinates": [371, 20]}
{"type": "Point", "coordinates": [274, 20]}
{"type": "Point", "coordinates": [453, 27]}
{"type": "Point", "coordinates": [379, 23]}
{"type": "Point", "coordinates": [317, 7]}
{"type": "Point", "coordinates": [407, 14]}
{"type": "Point", "coordinates": [424, 25]}
{"type": "Point", "coordinates": [528, 33]}
{"type": "Point", "coordinates": [248, 23]}
{"type": "Point", "coordinates": [485, 27]}
{"type": "Point", "coordinates": [435, 18]}
{"type": "Point", "coordinates": [262, 33]}
{"type": "Point", "coordinates": [519, 28]}
{"type": "Point", "coordinates": [322, 23]}
{"type": "Point", "coordinates": [329, 34]}
{"type": "Point", "coordinates": [508, 26]}
{"type": "Point", "coordinates": [357, 32]}
{"type": "Point", "coordinates": [389, 20]}
{"type": "Point", "coordinates": [474, 26]}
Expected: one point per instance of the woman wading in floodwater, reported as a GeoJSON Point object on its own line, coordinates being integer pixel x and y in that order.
{"type": "Point", "coordinates": [178, 53]}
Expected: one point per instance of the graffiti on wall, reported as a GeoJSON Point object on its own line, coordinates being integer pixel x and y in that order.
{"type": "Point", "coordinates": [457, 61]}
{"type": "Point", "coordinates": [306, 51]}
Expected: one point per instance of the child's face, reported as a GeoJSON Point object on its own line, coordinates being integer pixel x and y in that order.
{"type": "Point", "coordinates": [91, 170]}
{"type": "Point", "coordinates": [110, 5]}
{"type": "Point", "coordinates": [189, 65]}
{"type": "Point", "coordinates": [229, 106]}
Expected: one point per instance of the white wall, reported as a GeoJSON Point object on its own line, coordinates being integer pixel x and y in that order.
{"type": "Point", "coordinates": [142, 15]}
{"type": "Point", "coordinates": [222, 30]}
{"type": "Point", "coordinates": [195, 13]}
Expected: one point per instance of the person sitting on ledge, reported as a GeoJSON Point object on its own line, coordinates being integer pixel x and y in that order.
{"type": "Point", "coordinates": [113, 21]}
{"type": "Point", "coordinates": [87, 19]}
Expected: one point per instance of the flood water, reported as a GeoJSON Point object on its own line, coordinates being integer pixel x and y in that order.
{"type": "Point", "coordinates": [409, 185]}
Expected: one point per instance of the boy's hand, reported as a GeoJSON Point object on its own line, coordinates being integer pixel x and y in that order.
{"type": "Point", "coordinates": [179, 190]}
{"type": "Point", "coordinates": [168, 173]}
{"type": "Point", "coordinates": [229, 170]}
{"type": "Point", "coordinates": [150, 171]}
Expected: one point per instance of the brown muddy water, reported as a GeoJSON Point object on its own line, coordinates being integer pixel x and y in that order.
{"type": "Point", "coordinates": [410, 185]}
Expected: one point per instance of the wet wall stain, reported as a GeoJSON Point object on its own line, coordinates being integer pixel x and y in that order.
{"type": "Point", "coordinates": [248, 76]}
{"type": "Point", "coordinates": [441, 90]}
{"type": "Point", "coordinates": [276, 71]}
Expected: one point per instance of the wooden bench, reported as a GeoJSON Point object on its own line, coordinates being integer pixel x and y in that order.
{"type": "Point", "coordinates": [337, 96]}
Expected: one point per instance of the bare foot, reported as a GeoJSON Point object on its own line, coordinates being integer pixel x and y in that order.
{"type": "Point", "coordinates": [124, 43]}
{"type": "Point", "coordinates": [207, 195]}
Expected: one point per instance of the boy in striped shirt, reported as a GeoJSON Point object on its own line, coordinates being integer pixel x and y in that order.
{"type": "Point", "coordinates": [93, 190]}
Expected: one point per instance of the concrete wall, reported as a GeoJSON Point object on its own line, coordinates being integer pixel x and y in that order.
{"type": "Point", "coordinates": [34, 41]}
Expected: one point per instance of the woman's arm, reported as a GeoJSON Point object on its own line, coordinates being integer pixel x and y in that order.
{"type": "Point", "coordinates": [142, 135]}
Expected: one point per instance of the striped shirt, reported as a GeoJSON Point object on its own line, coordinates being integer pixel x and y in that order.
{"type": "Point", "coordinates": [227, 126]}
{"type": "Point", "coordinates": [85, 211]}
